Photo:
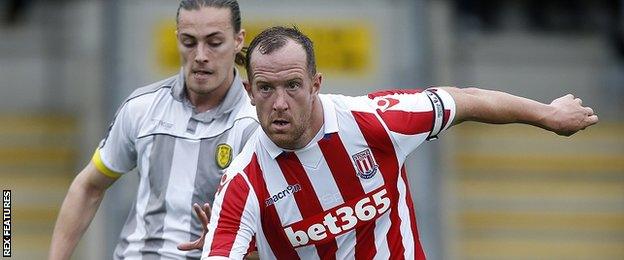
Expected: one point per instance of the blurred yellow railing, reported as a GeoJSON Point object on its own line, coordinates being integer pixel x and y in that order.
{"type": "Point", "coordinates": [37, 162]}
{"type": "Point", "coordinates": [524, 193]}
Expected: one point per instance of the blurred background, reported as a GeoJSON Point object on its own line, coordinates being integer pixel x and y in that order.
{"type": "Point", "coordinates": [481, 192]}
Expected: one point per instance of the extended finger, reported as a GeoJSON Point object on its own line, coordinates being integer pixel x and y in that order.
{"type": "Point", "coordinates": [189, 245]}
{"type": "Point", "coordinates": [198, 210]}
{"type": "Point", "coordinates": [202, 216]}
{"type": "Point", "coordinates": [185, 246]}
{"type": "Point", "coordinates": [207, 209]}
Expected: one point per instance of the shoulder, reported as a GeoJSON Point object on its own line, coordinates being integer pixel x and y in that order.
{"type": "Point", "coordinates": [136, 105]}
{"type": "Point", "coordinates": [143, 99]}
{"type": "Point", "coordinates": [246, 157]}
{"type": "Point", "coordinates": [244, 118]}
{"type": "Point", "coordinates": [246, 110]}
{"type": "Point", "coordinates": [348, 103]}
{"type": "Point", "coordinates": [149, 93]}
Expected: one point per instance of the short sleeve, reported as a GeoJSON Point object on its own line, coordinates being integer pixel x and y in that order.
{"type": "Point", "coordinates": [413, 116]}
{"type": "Point", "coordinates": [116, 153]}
{"type": "Point", "coordinates": [232, 220]}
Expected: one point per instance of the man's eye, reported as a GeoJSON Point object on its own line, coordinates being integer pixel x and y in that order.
{"type": "Point", "coordinates": [294, 85]}
{"type": "Point", "coordinates": [188, 43]}
{"type": "Point", "coordinates": [215, 44]}
{"type": "Point", "coordinates": [264, 88]}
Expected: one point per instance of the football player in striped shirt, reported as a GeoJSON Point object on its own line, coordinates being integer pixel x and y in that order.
{"type": "Point", "coordinates": [324, 177]}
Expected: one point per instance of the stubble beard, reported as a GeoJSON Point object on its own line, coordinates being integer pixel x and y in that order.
{"type": "Point", "coordinates": [292, 140]}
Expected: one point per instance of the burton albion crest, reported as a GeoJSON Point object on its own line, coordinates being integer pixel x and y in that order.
{"type": "Point", "coordinates": [223, 155]}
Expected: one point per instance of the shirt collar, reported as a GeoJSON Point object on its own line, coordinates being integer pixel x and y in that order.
{"type": "Point", "coordinates": [234, 95]}
{"type": "Point", "coordinates": [177, 91]}
{"type": "Point", "coordinates": [330, 125]}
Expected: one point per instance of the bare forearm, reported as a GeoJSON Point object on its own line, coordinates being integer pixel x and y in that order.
{"type": "Point", "coordinates": [497, 107]}
{"type": "Point", "coordinates": [563, 116]}
{"type": "Point", "coordinates": [77, 212]}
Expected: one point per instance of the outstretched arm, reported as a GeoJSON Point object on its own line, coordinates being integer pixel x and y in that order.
{"type": "Point", "coordinates": [80, 204]}
{"type": "Point", "coordinates": [564, 115]}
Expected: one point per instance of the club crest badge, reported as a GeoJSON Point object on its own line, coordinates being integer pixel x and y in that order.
{"type": "Point", "coordinates": [223, 155]}
{"type": "Point", "coordinates": [365, 164]}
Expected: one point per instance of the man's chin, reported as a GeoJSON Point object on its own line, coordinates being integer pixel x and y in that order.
{"type": "Point", "coordinates": [282, 140]}
{"type": "Point", "coordinates": [202, 89]}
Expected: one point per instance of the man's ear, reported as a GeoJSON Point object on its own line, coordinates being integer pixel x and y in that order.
{"type": "Point", "coordinates": [316, 84]}
{"type": "Point", "coordinates": [248, 89]}
{"type": "Point", "coordinates": [240, 40]}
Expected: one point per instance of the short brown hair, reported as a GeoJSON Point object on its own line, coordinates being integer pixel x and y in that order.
{"type": "Point", "coordinates": [274, 38]}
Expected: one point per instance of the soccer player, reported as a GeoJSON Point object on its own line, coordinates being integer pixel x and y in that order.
{"type": "Point", "coordinates": [180, 133]}
{"type": "Point", "coordinates": [324, 178]}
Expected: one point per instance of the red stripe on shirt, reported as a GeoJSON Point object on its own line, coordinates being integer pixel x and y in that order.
{"type": "Point", "coordinates": [271, 223]}
{"type": "Point", "coordinates": [419, 254]}
{"type": "Point", "coordinates": [387, 92]}
{"type": "Point", "coordinates": [348, 183]}
{"type": "Point", "coordinates": [307, 200]}
{"type": "Point", "coordinates": [232, 209]}
{"type": "Point", "coordinates": [383, 150]}
{"type": "Point", "coordinates": [407, 123]}
{"type": "Point", "coordinates": [411, 123]}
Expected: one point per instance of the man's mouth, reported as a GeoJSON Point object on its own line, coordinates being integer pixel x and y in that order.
{"type": "Point", "coordinates": [280, 122]}
{"type": "Point", "coordinates": [202, 73]}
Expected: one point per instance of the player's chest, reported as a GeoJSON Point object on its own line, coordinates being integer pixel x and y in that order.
{"type": "Point", "coordinates": [314, 208]}
{"type": "Point", "coordinates": [326, 191]}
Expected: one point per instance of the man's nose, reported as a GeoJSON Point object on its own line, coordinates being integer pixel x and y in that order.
{"type": "Point", "coordinates": [202, 54]}
{"type": "Point", "coordinates": [280, 103]}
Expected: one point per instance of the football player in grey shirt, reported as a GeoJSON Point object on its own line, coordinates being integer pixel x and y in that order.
{"type": "Point", "coordinates": [179, 133]}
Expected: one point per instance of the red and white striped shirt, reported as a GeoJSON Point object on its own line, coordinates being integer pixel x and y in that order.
{"type": "Point", "coordinates": [344, 195]}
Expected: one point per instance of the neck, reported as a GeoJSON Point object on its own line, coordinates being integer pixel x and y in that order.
{"type": "Point", "coordinates": [206, 101]}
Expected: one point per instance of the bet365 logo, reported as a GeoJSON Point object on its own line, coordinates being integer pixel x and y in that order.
{"type": "Point", "coordinates": [340, 220]}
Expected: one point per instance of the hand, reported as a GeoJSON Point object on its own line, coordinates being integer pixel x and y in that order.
{"type": "Point", "coordinates": [204, 217]}
{"type": "Point", "coordinates": [570, 116]}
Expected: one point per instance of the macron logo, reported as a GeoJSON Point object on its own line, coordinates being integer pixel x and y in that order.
{"type": "Point", "coordinates": [291, 189]}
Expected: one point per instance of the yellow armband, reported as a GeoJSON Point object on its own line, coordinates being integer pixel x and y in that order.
{"type": "Point", "coordinates": [97, 161]}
